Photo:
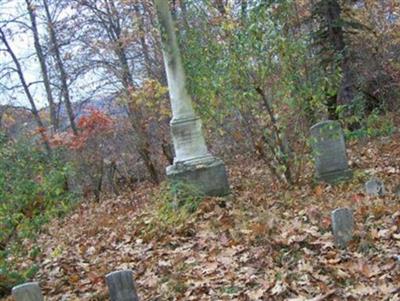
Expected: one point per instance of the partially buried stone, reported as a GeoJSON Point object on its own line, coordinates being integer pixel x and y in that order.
{"type": "Point", "coordinates": [397, 191]}
{"type": "Point", "coordinates": [27, 292]}
{"type": "Point", "coordinates": [375, 187]}
{"type": "Point", "coordinates": [342, 226]}
{"type": "Point", "coordinates": [121, 286]}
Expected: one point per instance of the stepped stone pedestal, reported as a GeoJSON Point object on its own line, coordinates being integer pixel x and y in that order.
{"type": "Point", "coordinates": [193, 164]}
{"type": "Point", "coordinates": [208, 176]}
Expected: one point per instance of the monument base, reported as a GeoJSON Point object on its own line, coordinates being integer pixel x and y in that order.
{"type": "Point", "coordinates": [208, 176]}
{"type": "Point", "coordinates": [336, 176]}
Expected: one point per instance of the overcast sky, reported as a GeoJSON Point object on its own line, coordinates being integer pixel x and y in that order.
{"type": "Point", "coordinates": [22, 44]}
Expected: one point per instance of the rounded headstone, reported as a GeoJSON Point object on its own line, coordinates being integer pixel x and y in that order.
{"type": "Point", "coordinates": [121, 287]}
{"type": "Point", "coordinates": [27, 292]}
{"type": "Point", "coordinates": [329, 151]}
{"type": "Point", "coordinates": [342, 226]}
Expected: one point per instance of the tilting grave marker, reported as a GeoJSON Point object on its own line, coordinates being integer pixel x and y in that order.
{"type": "Point", "coordinates": [329, 152]}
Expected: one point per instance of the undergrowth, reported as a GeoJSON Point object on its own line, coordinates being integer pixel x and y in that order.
{"type": "Point", "coordinates": [33, 190]}
{"type": "Point", "coordinates": [171, 208]}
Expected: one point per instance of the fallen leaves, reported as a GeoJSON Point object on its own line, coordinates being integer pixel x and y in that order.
{"type": "Point", "coordinates": [257, 245]}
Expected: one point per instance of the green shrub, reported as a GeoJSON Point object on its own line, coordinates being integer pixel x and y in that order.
{"type": "Point", "coordinates": [177, 200]}
{"type": "Point", "coordinates": [33, 189]}
{"type": "Point", "coordinates": [375, 124]}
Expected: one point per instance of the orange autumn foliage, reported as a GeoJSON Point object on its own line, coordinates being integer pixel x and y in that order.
{"type": "Point", "coordinates": [91, 125]}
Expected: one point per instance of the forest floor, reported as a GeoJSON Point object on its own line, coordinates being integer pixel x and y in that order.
{"type": "Point", "coordinates": [264, 242]}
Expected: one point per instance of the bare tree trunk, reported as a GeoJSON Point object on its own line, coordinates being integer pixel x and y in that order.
{"type": "Point", "coordinates": [28, 94]}
{"type": "Point", "coordinates": [107, 15]}
{"type": "Point", "coordinates": [159, 72]}
{"type": "Point", "coordinates": [60, 65]}
{"type": "Point", "coordinates": [168, 151]}
{"type": "Point", "coordinates": [43, 66]}
{"type": "Point", "coordinates": [220, 5]}
{"type": "Point", "coordinates": [98, 182]}
{"type": "Point", "coordinates": [283, 156]}
{"type": "Point", "coordinates": [135, 113]}
{"type": "Point", "coordinates": [2, 111]}
{"type": "Point", "coordinates": [333, 12]}
{"type": "Point", "coordinates": [136, 117]}
{"type": "Point", "coordinates": [141, 142]}
{"type": "Point", "coordinates": [173, 10]}
{"type": "Point", "coordinates": [144, 151]}
{"type": "Point", "coordinates": [184, 13]}
{"type": "Point", "coordinates": [111, 171]}
{"type": "Point", "coordinates": [145, 48]}
{"type": "Point", "coordinates": [243, 8]}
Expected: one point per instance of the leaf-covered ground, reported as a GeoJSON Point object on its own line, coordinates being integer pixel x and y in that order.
{"type": "Point", "coordinates": [264, 242]}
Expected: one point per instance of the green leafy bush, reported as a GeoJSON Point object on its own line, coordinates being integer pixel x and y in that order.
{"type": "Point", "coordinates": [33, 189]}
{"type": "Point", "coordinates": [253, 69]}
{"type": "Point", "coordinates": [375, 124]}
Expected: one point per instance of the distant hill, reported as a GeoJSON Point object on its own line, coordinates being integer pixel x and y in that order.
{"type": "Point", "coordinates": [109, 105]}
{"type": "Point", "coordinates": [18, 120]}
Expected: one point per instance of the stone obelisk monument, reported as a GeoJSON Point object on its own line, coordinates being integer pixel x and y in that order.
{"type": "Point", "coordinates": [193, 163]}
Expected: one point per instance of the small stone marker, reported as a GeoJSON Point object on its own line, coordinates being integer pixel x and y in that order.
{"type": "Point", "coordinates": [329, 152]}
{"type": "Point", "coordinates": [375, 187]}
{"type": "Point", "coordinates": [342, 226]}
{"type": "Point", "coordinates": [27, 292]}
{"type": "Point", "coordinates": [397, 191]}
{"type": "Point", "coordinates": [121, 287]}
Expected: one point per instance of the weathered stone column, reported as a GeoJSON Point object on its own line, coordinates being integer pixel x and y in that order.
{"type": "Point", "coordinates": [192, 163]}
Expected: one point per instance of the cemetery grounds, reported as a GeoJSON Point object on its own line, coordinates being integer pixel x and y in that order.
{"type": "Point", "coordinates": [265, 241]}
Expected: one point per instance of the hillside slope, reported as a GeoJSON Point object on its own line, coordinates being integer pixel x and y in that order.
{"type": "Point", "coordinates": [264, 242]}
